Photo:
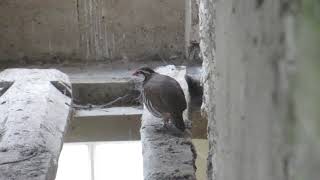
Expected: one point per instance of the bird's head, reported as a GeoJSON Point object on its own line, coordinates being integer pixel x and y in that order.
{"type": "Point", "coordinates": [145, 71]}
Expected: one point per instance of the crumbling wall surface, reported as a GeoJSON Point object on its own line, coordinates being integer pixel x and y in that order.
{"type": "Point", "coordinates": [244, 92]}
{"type": "Point", "coordinates": [207, 45]}
{"type": "Point", "coordinates": [55, 31]}
{"type": "Point", "coordinates": [168, 153]}
{"type": "Point", "coordinates": [35, 106]}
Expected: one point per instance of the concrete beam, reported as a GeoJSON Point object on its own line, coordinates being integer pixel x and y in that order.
{"type": "Point", "coordinates": [105, 92]}
{"type": "Point", "coordinates": [34, 112]}
{"type": "Point", "coordinates": [118, 124]}
{"type": "Point", "coordinates": [105, 124]}
{"type": "Point", "coordinates": [168, 154]}
{"type": "Point", "coordinates": [120, 121]}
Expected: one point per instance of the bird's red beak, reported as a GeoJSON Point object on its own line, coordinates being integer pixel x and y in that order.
{"type": "Point", "coordinates": [135, 74]}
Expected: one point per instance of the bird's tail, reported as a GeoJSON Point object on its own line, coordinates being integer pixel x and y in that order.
{"type": "Point", "coordinates": [178, 122]}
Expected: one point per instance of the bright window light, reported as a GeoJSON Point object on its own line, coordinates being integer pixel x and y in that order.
{"type": "Point", "coordinates": [118, 161]}
{"type": "Point", "coordinates": [74, 163]}
{"type": "Point", "coordinates": [101, 161]}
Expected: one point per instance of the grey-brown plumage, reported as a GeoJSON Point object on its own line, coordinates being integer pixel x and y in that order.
{"type": "Point", "coordinates": [163, 97]}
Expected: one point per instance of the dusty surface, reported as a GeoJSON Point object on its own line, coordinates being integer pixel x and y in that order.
{"type": "Point", "coordinates": [34, 116]}
{"type": "Point", "coordinates": [168, 154]}
{"type": "Point", "coordinates": [90, 30]}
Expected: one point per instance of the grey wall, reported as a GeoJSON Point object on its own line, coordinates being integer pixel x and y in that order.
{"type": "Point", "coordinates": [245, 56]}
{"type": "Point", "coordinates": [90, 30]}
{"type": "Point", "coordinates": [307, 97]}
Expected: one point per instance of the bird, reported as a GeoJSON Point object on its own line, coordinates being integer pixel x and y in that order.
{"type": "Point", "coordinates": [163, 97]}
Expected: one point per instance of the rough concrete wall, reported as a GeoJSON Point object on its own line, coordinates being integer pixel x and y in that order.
{"type": "Point", "coordinates": [207, 45]}
{"type": "Point", "coordinates": [245, 97]}
{"type": "Point", "coordinates": [168, 154]}
{"type": "Point", "coordinates": [53, 31]}
{"type": "Point", "coordinates": [307, 97]}
{"type": "Point", "coordinates": [39, 30]}
{"type": "Point", "coordinates": [35, 106]}
{"type": "Point", "coordinates": [192, 30]}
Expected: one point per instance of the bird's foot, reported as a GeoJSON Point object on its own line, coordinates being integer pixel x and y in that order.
{"type": "Point", "coordinates": [165, 126]}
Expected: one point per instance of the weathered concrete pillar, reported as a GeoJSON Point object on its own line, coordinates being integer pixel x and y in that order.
{"type": "Point", "coordinates": [35, 106]}
{"type": "Point", "coordinates": [168, 154]}
{"type": "Point", "coordinates": [207, 45]}
{"type": "Point", "coordinates": [243, 45]}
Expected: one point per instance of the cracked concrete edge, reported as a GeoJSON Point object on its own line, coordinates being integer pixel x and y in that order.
{"type": "Point", "coordinates": [168, 154]}
{"type": "Point", "coordinates": [13, 74]}
{"type": "Point", "coordinates": [207, 45]}
{"type": "Point", "coordinates": [34, 118]}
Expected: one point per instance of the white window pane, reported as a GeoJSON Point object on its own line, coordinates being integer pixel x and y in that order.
{"type": "Point", "coordinates": [118, 161]}
{"type": "Point", "coordinates": [74, 163]}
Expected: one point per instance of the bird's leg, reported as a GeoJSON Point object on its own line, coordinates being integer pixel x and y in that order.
{"type": "Point", "coordinates": [166, 118]}
{"type": "Point", "coordinates": [165, 122]}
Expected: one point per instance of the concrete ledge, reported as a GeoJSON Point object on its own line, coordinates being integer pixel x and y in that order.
{"type": "Point", "coordinates": [117, 124]}
{"type": "Point", "coordinates": [168, 154]}
{"type": "Point", "coordinates": [114, 111]}
{"type": "Point", "coordinates": [95, 86]}
{"type": "Point", "coordinates": [104, 92]}
{"type": "Point", "coordinates": [107, 124]}
{"type": "Point", "coordinates": [34, 112]}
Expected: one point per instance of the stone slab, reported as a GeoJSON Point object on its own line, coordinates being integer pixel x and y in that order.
{"type": "Point", "coordinates": [35, 111]}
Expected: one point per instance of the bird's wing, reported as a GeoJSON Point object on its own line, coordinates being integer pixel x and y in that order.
{"type": "Point", "coordinates": [152, 94]}
{"type": "Point", "coordinates": [171, 95]}
{"type": "Point", "coordinates": [165, 94]}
